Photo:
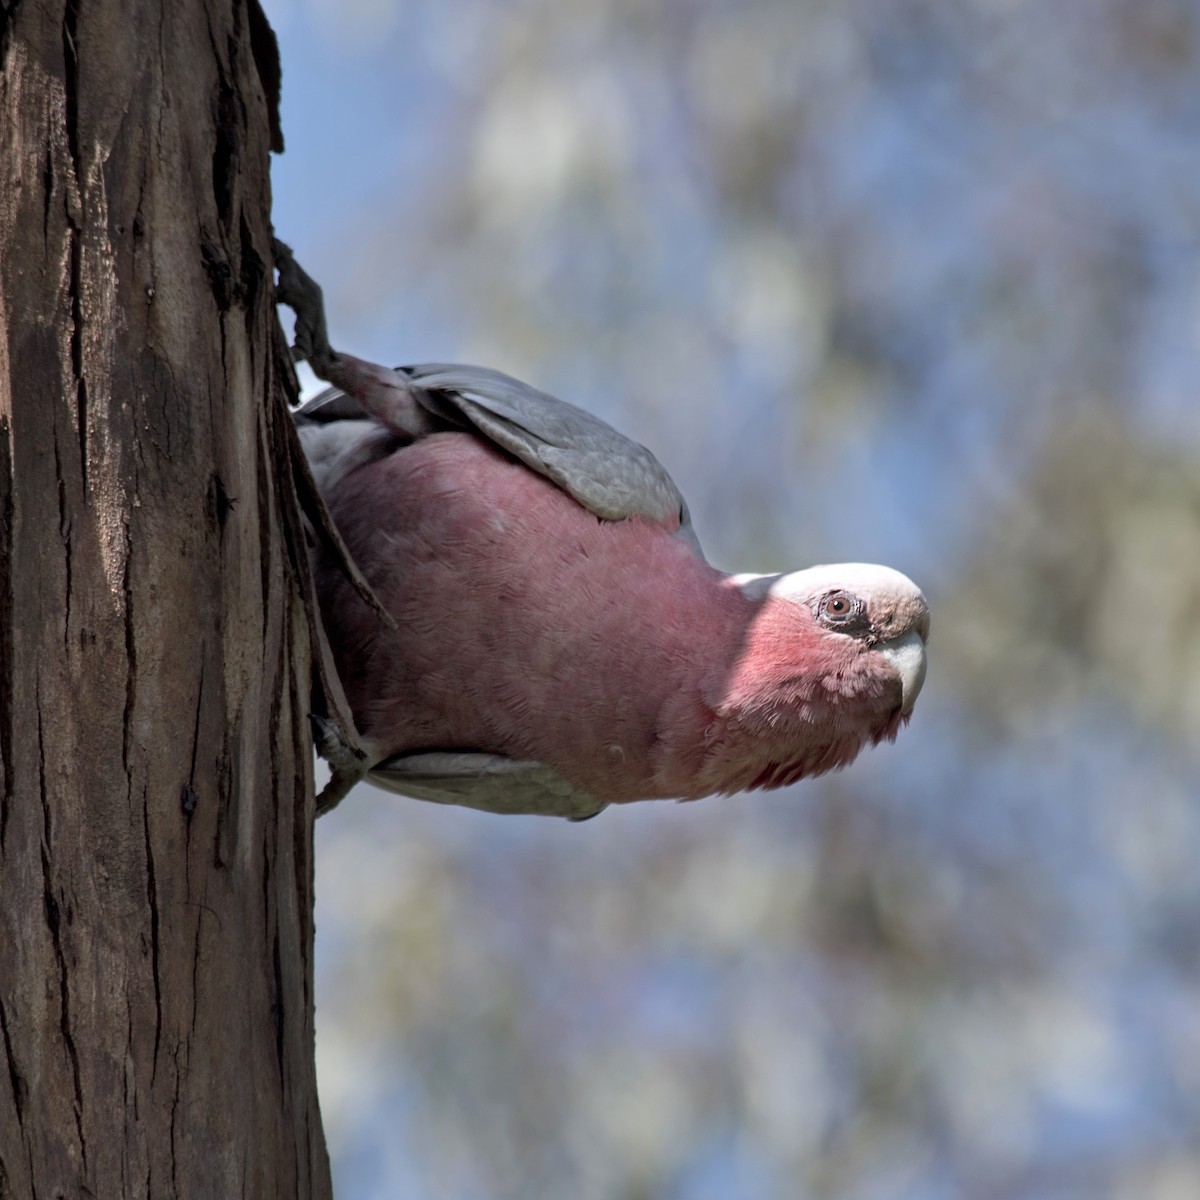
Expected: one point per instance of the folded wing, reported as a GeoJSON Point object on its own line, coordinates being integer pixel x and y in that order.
{"type": "Point", "coordinates": [607, 473]}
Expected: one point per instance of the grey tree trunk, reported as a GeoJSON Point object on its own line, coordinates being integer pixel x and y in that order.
{"type": "Point", "coordinates": [156, 1010]}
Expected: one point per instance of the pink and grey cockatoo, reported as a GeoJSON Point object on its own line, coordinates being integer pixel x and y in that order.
{"type": "Point", "coordinates": [560, 642]}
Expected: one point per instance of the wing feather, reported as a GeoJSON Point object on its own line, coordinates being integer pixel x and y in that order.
{"type": "Point", "coordinates": [489, 782]}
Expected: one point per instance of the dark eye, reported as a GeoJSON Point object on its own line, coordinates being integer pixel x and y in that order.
{"type": "Point", "coordinates": [839, 607]}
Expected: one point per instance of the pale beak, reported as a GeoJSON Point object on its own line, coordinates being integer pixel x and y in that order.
{"type": "Point", "coordinates": [907, 655]}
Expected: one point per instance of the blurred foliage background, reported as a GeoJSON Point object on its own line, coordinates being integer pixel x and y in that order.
{"type": "Point", "coordinates": [910, 281]}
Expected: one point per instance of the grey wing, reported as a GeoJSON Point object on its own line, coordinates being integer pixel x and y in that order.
{"type": "Point", "coordinates": [489, 782]}
{"type": "Point", "coordinates": [608, 473]}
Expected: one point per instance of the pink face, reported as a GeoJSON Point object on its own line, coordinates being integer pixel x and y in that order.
{"type": "Point", "coordinates": [833, 661]}
{"type": "Point", "coordinates": [840, 608]}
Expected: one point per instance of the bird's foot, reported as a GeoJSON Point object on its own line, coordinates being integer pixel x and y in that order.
{"type": "Point", "coordinates": [349, 765]}
{"type": "Point", "coordinates": [302, 294]}
{"type": "Point", "coordinates": [385, 394]}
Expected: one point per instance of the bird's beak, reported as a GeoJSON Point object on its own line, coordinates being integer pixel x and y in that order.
{"type": "Point", "coordinates": [907, 654]}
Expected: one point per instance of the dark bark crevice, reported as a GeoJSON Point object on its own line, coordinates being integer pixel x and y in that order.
{"type": "Point", "coordinates": [152, 900]}
{"type": "Point", "coordinates": [15, 1078]}
{"type": "Point", "coordinates": [75, 247]}
{"type": "Point", "coordinates": [131, 657]}
{"type": "Point", "coordinates": [70, 52]}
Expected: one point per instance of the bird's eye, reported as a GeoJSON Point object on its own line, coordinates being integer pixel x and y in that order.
{"type": "Point", "coordinates": [839, 606]}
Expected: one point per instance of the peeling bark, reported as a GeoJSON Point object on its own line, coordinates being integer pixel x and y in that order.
{"type": "Point", "coordinates": [156, 1009]}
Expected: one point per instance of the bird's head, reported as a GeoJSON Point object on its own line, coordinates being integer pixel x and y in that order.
{"type": "Point", "coordinates": [853, 606]}
{"type": "Point", "coordinates": [833, 659]}
{"type": "Point", "coordinates": [876, 607]}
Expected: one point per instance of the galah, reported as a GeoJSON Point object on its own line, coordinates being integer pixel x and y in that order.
{"type": "Point", "coordinates": [560, 642]}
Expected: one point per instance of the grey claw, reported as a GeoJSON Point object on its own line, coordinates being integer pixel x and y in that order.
{"type": "Point", "coordinates": [302, 294]}
{"type": "Point", "coordinates": [349, 766]}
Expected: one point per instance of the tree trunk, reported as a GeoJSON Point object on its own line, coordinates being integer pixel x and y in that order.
{"type": "Point", "coordinates": [156, 1011]}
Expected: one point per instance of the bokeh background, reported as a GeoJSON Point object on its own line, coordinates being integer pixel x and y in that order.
{"type": "Point", "coordinates": [911, 281]}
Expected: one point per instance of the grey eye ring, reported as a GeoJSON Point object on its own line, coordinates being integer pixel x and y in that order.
{"type": "Point", "coordinates": [839, 608]}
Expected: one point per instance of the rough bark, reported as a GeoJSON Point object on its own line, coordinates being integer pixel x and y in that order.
{"type": "Point", "coordinates": [156, 1013]}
